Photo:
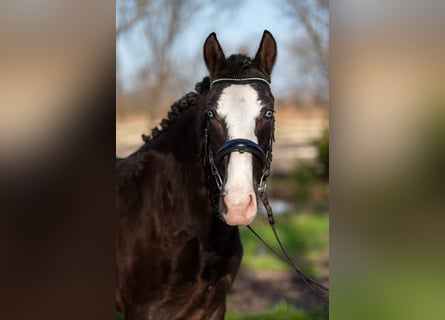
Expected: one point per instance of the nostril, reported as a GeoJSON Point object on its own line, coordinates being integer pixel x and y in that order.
{"type": "Point", "coordinates": [251, 206]}
{"type": "Point", "coordinates": [250, 200]}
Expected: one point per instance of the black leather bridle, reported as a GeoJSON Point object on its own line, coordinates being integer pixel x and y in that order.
{"type": "Point", "coordinates": [240, 145]}
{"type": "Point", "coordinates": [265, 157]}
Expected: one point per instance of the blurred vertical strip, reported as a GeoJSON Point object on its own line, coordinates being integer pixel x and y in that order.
{"type": "Point", "coordinates": [57, 149]}
{"type": "Point", "coordinates": [387, 148]}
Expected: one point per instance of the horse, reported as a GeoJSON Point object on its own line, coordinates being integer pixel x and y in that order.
{"type": "Point", "coordinates": [181, 196]}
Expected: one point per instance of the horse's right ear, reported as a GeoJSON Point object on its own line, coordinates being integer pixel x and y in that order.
{"type": "Point", "coordinates": [213, 55]}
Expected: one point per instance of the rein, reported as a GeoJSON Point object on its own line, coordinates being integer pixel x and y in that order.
{"type": "Point", "coordinates": [311, 283]}
{"type": "Point", "coordinates": [245, 145]}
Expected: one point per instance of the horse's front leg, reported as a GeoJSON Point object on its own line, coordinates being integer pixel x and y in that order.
{"type": "Point", "coordinates": [140, 312]}
{"type": "Point", "coordinates": [219, 313]}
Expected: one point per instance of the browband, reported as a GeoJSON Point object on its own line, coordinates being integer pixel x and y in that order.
{"type": "Point", "coordinates": [240, 81]}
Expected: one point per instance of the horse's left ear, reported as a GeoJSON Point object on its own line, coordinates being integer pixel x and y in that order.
{"type": "Point", "coordinates": [266, 54]}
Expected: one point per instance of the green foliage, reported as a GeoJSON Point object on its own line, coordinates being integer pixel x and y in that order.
{"type": "Point", "coordinates": [304, 177]}
{"type": "Point", "coordinates": [304, 236]}
{"type": "Point", "coordinates": [281, 311]}
{"type": "Point", "coordinates": [323, 154]}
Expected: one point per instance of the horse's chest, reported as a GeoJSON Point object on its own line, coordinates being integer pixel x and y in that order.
{"type": "Point", "coordinates": [191, 264]}
{"type": "Point", "coordinates": [197, 281]}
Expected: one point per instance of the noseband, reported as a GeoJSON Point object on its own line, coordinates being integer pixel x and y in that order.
{"type": "Point", "coordinates": [240, 145]}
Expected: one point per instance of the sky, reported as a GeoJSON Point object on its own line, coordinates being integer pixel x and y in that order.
{"type": "Point", "coordinates": [241, 27]}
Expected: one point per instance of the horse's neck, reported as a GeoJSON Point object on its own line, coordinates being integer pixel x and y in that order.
{"type": "Point", "coordinates": [182, 138]}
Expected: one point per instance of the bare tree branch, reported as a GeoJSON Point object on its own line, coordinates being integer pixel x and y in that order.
{"type": "Point", "coordinates": [130, 16]}
{"type": "Point", "coordinates": [314, 17]}
{"type": "Point", "coordinates": [160, 23]}
{"type": "Point", "coordinates": [157, 25]}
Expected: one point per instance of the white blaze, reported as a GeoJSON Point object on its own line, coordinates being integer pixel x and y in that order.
{"type": "Point", "coordinates": [239, 106]}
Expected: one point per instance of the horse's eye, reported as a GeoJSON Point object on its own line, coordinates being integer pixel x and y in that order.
{"type": "Point", "coordinates": [210, 114]}
{"type": "Point", "coordinates": [268, 114]}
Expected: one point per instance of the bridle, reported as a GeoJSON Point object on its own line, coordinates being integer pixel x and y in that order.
{"type": "Point", "coordinates": [265, 158]}
{"type": "Point", "coordinates": [240, 145]}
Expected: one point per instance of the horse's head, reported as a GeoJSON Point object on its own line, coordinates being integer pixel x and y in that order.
{"type": "Point", "coordinates": [239, 123]}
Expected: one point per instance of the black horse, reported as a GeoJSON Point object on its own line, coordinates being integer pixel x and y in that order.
{"type": "Point", "coordinates": [182, 195]}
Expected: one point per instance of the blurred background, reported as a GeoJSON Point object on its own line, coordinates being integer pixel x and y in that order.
{"type": "Point", "coordinates": [159, 58]}
{"type": "Point", "coordinates": [387, 120]}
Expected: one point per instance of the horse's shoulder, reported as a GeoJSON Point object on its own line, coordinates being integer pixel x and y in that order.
{"type": "Point", "coordinates": [129, 170]}
{"type": "Point", "coordinates": [143, 165]}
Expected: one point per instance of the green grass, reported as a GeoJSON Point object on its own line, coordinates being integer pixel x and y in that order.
{"type": "Point", "coordinates": [282, 311]}
{"type": "Point", "coordinates": [305, 237]}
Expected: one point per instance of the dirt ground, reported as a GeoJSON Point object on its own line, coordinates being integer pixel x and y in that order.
{"type": "Point", "coordinates": [257, 291]}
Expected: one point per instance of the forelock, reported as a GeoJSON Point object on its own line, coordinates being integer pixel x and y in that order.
{"type": "Point", "coordinates": [239, 66]}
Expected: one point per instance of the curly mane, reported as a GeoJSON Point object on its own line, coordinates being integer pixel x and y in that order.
{"type": "Point", "coordinates": [135, 163]}
{"type": "Point", "coordinates": [187, 101]}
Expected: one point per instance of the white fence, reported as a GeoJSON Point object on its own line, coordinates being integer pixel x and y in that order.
{"type": "Point", "coordinates": [295, 137]}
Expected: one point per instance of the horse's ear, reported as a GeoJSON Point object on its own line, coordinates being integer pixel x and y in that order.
{"type": "Point", "coordinates": [213, 55]}
{"type": "Point", "coordinates": [267, 53]}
